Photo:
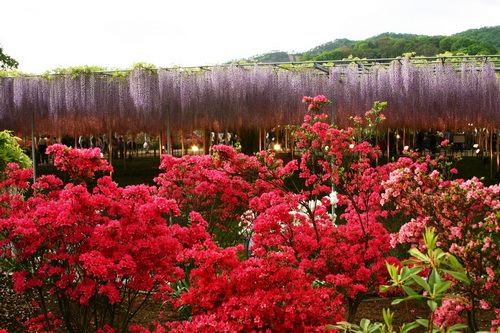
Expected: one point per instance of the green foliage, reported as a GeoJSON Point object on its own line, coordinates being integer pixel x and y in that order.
{"type": "Point", "coordinates": [328, 47]}
{"type": "Point", "coordinates": [180, 287]}
{"type": "Point", "coordinates": [395, 35]}
{"type": "Point", "coordinates": [11, 152]}
{"type": "Point", "coordinates": [273, 56]}
{"type": "Point", "coordinates": [489, 35]}
{"type": "Point", "coordinates": [432, 289]}
{"type": "Point", "coordinates": [7, 73]}
{"type": "Point", "coordinates": [143, 65]}
{"type": "Point", "coordinates": [6, 61]}
{"type": "Point", "coordinates": [75, 71]}
{"type": "Point", "coordinates": [365, 326]}
{"type": "Point", "coordinates": [391, 47]}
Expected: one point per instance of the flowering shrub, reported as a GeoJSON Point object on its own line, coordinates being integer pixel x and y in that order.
{"type": "Point", "coordinates": [464, 213]}
{"type": "Point", "coordinates": [349, 257]}
{"type": "Point", "coordinates": [316, 103]}
{"type": "Point", "coordinates": [11, 151]}
{"type": "Point", "coordinates": [315, 251]}
{"type": "Point", "coordinates": [220, 186]}
{"type": "Point", "coordinates": [425, 271]}
{"type": "Point", "coordinates": [80, 164]}
{"type": "Point", "coordinates": [261, 293]}
{"type": "Point", "coordinates": [96, 253]}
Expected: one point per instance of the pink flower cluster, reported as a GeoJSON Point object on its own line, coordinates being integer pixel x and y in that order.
{"type": "Point", "coordinates": [464, 213]}
{"type": "Point", "coordinates": [316, 103]}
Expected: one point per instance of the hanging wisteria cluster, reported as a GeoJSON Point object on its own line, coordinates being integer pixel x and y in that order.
{"type": "Point", "coordinates": [221, 98]}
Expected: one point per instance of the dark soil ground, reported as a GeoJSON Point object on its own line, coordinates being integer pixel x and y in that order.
{"type": "Point", "coordinates": [14, 310]}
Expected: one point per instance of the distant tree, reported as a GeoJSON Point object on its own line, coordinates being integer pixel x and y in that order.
{"type": "Point", "coordinates": [427, 46]}
{"type": "Point", "coordinates": [323, 49]}
{"type": "Point", "coordinates": [395, 36]}
{"type": "Point", "coordinates": [485, 34]}
{"type": "Point", "coordinates": [7, 62]}
{"type": "Point", "coordinates": [365, 49]}
{"type": "Point", "coordinates": [273, 56]}
{"type": "Point", "coordinates": [390, 45]}
{"type": "Point", "coordinates": [385, 47]}
{"type": "Point", "coordinates": [402, 46]}
{"type": "Point", "coordinates": [337, 54]}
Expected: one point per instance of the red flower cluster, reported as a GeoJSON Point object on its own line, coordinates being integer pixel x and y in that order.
{"type": "Point", "coordinates": [316, 102]}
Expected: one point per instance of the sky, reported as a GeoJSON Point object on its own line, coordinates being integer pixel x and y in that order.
{"type": "Point", "coordinates": [49, 34]}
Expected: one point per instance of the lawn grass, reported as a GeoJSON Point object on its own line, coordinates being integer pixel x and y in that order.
{"type": "Point", "coordinates": [143, 169]}
{"type": "Point", "coordinates": [471, 166]}
{"type": "Point", "coordinates": [135, 171]}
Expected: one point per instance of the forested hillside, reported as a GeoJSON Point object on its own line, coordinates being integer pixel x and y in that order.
{"type": "Point", "coordinates": [390, 45]}
{"type": "Point", "coordinates": [486, 34]}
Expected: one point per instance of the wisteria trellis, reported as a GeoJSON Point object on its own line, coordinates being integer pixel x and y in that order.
{"type": "Point", "coordinates": [419, 96]}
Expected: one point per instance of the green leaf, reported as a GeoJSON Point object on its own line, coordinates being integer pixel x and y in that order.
{"type": "Point", "coordinates": [408, 327]}
{"type": "Point", "coordinates": [409, 298]}
{"type": "Point", "coordinates": [423, 322]}
{"type": "Point", "coordinates": [418, 279]}
{"type": "Point", "coordinates": [442, 287]}
{"type": "Point", "coordinates": [438, 254]}
{"type": "Point", "coordinates": [419, 255]}
{"type": "Point", "coordinates": [434, 278]}
{"type": "Point", "coordinates": [457, 327]}
{"type": "Point", "coordinates": [393, 271]}
{"type": "Point", "coordinates": [453, 263]}
{"type": "Point", "coordinates": [411, 261]}
{"type": "Point", "coordinates": [384, 288]}
{"type": "Point", "coordinates": [408, 272]}
{"type": "Point", "coordinates": [432, 304]}
{"type": "Point", "coordinates": [409, 291]}
{"type": "Point", "coordinates": [430, 239]}
{"type": "Point", "coordinates": [364, 323]}
{"type": "Point", "coordinates": [457, 298]}
{"type": "Point", "coordinates": [458, 275]}
{"type": "Point", "coordinates": [388, 316]}
{"type": "Point", "coordinates": [344, 326]}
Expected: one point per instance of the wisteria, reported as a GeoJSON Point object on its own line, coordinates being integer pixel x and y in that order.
{"type": "Point", "coordinates": [430, 96]}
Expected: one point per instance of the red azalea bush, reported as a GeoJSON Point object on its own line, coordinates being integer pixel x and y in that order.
{"type": "Point", "coordinates": [100, 254]}
{"type": "Point", "coordinates": [220, 186]}
{"type": "Point", "coordinates": [268, 293]}
{"type": "Point", "coordinates": [80, 164]}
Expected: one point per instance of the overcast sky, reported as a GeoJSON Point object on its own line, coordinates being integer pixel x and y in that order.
{"type": "Point", "coordinates": [44, 35]}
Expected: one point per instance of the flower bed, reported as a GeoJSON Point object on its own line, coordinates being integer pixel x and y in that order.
{"type": "Point", "coordinates": [225, 240]}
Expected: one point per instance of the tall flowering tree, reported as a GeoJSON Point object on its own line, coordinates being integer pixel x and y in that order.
{"type": "Point", "coordinates": [432, 95]}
